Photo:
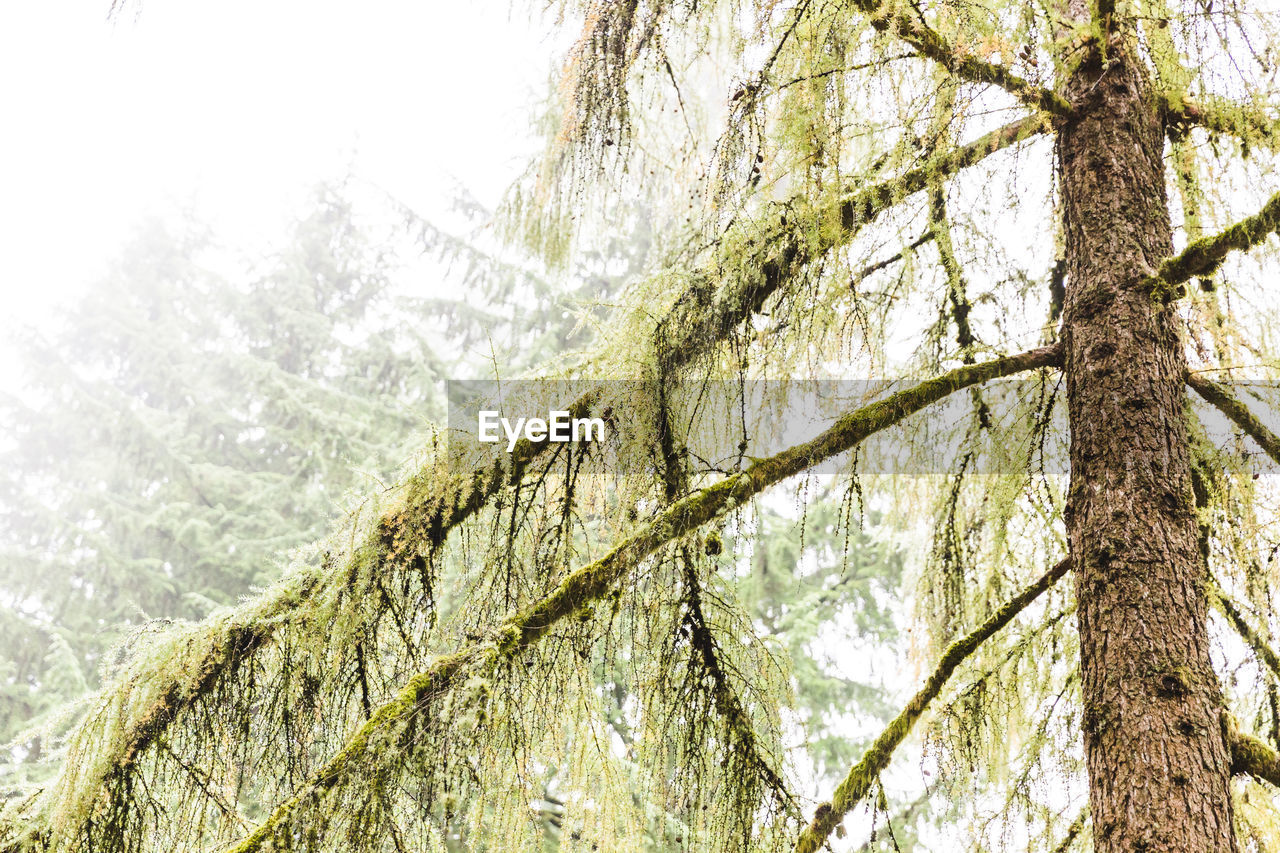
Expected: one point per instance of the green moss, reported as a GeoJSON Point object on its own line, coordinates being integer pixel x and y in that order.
{"type": "Point", "coordinates": [1249, 755]}
{"type": "Point", "coordinates": [857, 783]}
{"type": "Point", "coordinates": [1202, 257]}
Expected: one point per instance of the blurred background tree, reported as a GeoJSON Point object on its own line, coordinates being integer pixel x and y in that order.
{"type": "Point", "coordinates": [199, 414]}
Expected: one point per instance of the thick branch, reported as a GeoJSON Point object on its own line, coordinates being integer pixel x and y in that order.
{"type": "Point", "coordinates": [1222, 116]}
{"type": "Point", "coordinates": [1222, 399]}
{"type": "Point", "coordinates": [1250, 756]}
{"type": "Point", "coordinates": [701, 315]}
{"type": "Point", "coordinates": [860, 778]}
{"type": "Point", "coordinates": [1205, 255]}
{"type": "Point", "coordinates": [961, 63]}
{"type": "Point", "coordinates": [591, 582]}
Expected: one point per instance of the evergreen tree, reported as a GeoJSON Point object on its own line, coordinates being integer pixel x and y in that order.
{"type": "Point", "coordinates": [181, 429]}
{"type": "Point", "coordinates": [197, 416]}
{"type": "Point", "coordinates": [415, 680]}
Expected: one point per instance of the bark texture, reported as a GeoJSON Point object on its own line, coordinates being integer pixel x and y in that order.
{"type": "Point", "coordinates": [1159, 766]}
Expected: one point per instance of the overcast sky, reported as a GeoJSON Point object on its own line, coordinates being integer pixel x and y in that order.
{"type": "Point", "coordinates": [236, 108]}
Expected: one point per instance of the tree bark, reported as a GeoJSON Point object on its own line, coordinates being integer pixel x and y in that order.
{"type": "Point", "coordinates": [1159, 766]}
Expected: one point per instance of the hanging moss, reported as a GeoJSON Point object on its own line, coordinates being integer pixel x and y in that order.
{"type": "Point", "coordinates": [420, 679]}
{"type": "Point", "coordinates": [594, 581]}
{"type": "Point", "coordinates": [875, 761]}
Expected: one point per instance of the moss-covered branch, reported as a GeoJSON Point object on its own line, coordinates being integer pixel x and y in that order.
{"type": "Point", "coordinates": [422, 514]}
{"type": "Point", "coordinates": [961, 63]}
{"type": "Point", "coordinates": [1250, 756]}
{"type": "Point", "coordinates": [145, 700]}
{"type": "Point", "coordinates": [860, 778]}
{"type": "Point", "coordinates": [1205, 255]}
{"type": "Point", "coordinates": [1073, 831]}
{"type": "Point", "coordinates": [1246, 631]}
{"type": "Point", "coordinates": [957, 287]}
{"type": "Point", "coordinates": [1219, 115]}
{"type": "Point", "coordinates": [1223, 400]}
{"type": "Point", "coordinates": [702, 314]}
{"type": "Point", "coordinates": [591, 582]}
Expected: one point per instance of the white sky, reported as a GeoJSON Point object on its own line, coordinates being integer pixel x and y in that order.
{"type": "Point", "coordinates": [235, 108]}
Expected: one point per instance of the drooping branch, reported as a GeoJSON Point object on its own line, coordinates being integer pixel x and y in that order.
{"type": "Point", "coordinates": [1239, 414]}
{"type": "Point", "coordinates": [526, 627]}
{"type": "Point", "coordinates": [1246, 631]}
{"type": "Point", "coordinates": [957, 287]}
{"type": "Point", "coordinates": [1205, 255]}
{"type": "Point", "coordinates": [203, 654]}
{"type": "Point", "coordinates": [426, 510]}
{"type": "Point", "coordinates": [860, 778]}
{"type": "Point", "coordinates": [706, 657]}
{"type": "Point", "coordinates": [701, 314]}
{"type": "Point", "coordinates": [728, 703]}
{"type": "Point", "coordinates": [962, 64]}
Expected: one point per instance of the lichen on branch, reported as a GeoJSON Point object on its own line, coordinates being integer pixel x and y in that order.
{"type": "Point", "coordinates": [1205, 255]}
{"type": "Point", "coordinates": [857, 783]}
{"type": "Point", "coordinates": [591, 582]}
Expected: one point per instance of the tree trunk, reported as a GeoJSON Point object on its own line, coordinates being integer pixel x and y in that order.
{"type": "Point", "coordinates": [1159, 772]}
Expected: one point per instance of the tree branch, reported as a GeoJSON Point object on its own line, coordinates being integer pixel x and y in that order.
{"type": "Point", "coordinates": [700, 314]}
{"type": "Point", "coordinates": [1220, 115]}
{"type": "Point", "coordinates": [588, 583]}
{"type": "Point", "coordinates": [960, 63]}
{"type": "Point", "coordinates": [1222, 399]}
{"type": "Point", "coordinates": [427, 510]}
{"type": "Point", "coordinates": [1251, 637]}
{"type": "Point", "coordinates": [860, 778]}
{"type": "Point", "coordinates": [1205, 255]}
{"type": "Point", "coordinates": [872, 268]}
{"type": "Point", "coordinates": [1250, 756]}
{"type": "Point", "coordinates": [1073, 831]}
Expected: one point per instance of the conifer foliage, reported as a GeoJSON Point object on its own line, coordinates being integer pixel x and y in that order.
{"type": "Point", "coordinates": [567, 646]}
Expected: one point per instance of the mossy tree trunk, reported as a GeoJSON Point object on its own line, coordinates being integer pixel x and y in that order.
{"type": "Point", "coordinates": [1159, 765]}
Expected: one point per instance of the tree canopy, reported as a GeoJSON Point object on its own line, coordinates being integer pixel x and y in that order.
{"type": "Point", "coordinates": [595, 647]}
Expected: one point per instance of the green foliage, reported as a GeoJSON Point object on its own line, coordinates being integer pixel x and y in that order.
{"type": "Point", "coordinates": [198, 416]}
{"type": "Point", "coordinates": [184, 425]}
{"type": "Point", "coordinates": [553, 650]}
